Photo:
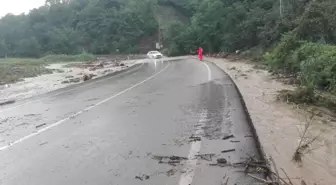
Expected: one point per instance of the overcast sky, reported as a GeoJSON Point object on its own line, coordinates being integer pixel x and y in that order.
{"type": "Point", "coordinates": [18, 6]}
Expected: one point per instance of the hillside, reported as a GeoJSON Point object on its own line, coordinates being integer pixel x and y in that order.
{"type": "Point", "coordinates": [71, 27]}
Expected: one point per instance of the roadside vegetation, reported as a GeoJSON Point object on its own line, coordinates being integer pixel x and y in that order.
{"type": "Point", "coordinates": [15, 69]}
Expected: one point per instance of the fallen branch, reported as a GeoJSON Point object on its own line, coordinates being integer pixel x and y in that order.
{"type": "Point", "coordinates": [226, 151]}
{"type": "Point", "coordinates": [260, 179]}
{"type": "Point", "coordinates": [7, 102]}
{"type": "Point", "coordinates": [276, 170]}
{"type": "Point", "coordinates": [227, 137]}
{"type": "Point", "coordinates": [290, 182]}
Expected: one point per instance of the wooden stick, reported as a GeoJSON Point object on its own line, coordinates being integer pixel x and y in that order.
{"type": "Point", "coordinates": [260, 179]}
{"type": "Point", "coordinates": [276, 170]}
{"type": "Point", "coordinates": [290, 182]}
{"type": "Point", "coordinates": [225, 151]}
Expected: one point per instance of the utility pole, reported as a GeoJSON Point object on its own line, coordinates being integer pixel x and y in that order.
{"type": "Point", "coordinates": [281, 13]}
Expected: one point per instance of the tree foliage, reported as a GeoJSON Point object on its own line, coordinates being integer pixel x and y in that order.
{"type": "Point", "coordinates": [74, 26]}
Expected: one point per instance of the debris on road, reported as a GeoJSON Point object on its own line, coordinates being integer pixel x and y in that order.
{"type": "Point", "coordinates": [194, 138]}
{"type": "Point", "coordinates": [173, 157]}
{"type": "Point", "coordinates": [207, 157]}
{"type": "Point", "coordinates": [142, 177]}
{"type": "Point", "coordinates": [226, 151]}
{"type": "Point", "coordinates": [171, 160]}
{"type": "Point", "coordinates": [40, 125]}
{"type": "Point", "coordinates": [226, 180]}
{"type": "Point", "coordinates": [171, 172]}
{"type": "Point", "coordinates": [70, 76]}
{"type": "Point", "coordinates": [86, 77]}
{"type": "Point", "coordinates": [74, 80]}
{"type": "Point", "coordinates": [3, 131]}
{"type": "Point", "coordinates": [6, 102]}
{"type": "Point", "coordinates": [59, 70]}
{"type": "Point", "coordinates": [221, 161]}
{"type": "Point", "coordinates": [234, 141]}
{"type": "Point", "coordinates": [46, 142]}
{"type": "Point", "coordinates": [228, 137]}
{"type": "Point", "coordinates": [21, 124]}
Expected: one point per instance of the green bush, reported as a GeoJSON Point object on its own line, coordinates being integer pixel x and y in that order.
{"type": "Point", "coordinates": [314, 63]}
{"type": "Point", "coordinates": [318, 65]}
{"type": "Point", "coordinates": [280, 58]}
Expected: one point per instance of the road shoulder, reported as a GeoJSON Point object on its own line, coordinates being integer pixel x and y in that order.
{"type": "Point", "coordinates": [277, 124]}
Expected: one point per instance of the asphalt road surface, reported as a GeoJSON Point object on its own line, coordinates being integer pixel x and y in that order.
{"type": "Point", "coordinates": [159, 123]}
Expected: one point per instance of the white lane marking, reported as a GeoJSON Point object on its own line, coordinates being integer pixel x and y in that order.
{"type": "Point", "coordinates": [80, 112]}
{"type": "Point", "coordinates": [187, 177]}
{"type": "Point", "coordinates": [38, 100]}
{"type": "Point", "coordinates": [209, 71]}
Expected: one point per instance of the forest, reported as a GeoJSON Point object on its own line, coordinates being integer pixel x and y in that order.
{"type": "Point", "coordinates": [294, 37]}
{"type": "Point", "coordinates": [76, 26]}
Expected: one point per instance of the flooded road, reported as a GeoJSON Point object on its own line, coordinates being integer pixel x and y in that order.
{"type": "Point", "coordinates": [165, 122]}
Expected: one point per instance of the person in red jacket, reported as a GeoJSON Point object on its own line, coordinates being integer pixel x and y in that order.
{"type": "Point", "coordinates": [200, 53]}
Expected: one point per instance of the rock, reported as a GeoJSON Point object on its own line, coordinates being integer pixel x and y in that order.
{"type": "Point", "coordinates": [233, 68]}
{"type": "Point", "coordinates": [101, 65]}
{"type": "Point", "coordinates": [70, 76]}
{"type": "Point", "coordinates": [65, 82]}
{"type": "Point", "coordinates": [122, 64]}
{"type": "Point", "coordinates": [59, 71]}
{"type": "Point", "coordinates": [74, 80]}
{"type": "Point", "coordinates": [107, 71]}
{"type": "Point", "coordinates": [221, 161]}
{"type": "Point", "coordinates": [142, 177]}
{"type": "Point", "coordinates": [88, 77]}
{"type": "Point", "coordinates": [171, 172]}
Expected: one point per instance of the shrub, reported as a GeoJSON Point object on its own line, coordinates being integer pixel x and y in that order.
{"type": "Point", "coordinates": [318, 65]}
{"type": "Point", "coordinates": [315, 64]}
{"type": "Point", "coordinates": [279, 59]}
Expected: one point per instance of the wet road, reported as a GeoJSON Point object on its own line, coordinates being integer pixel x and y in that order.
{"type": "Point", "coordinates": [124, 130]}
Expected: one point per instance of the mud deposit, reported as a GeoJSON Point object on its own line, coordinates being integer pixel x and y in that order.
{"type": "Point", "coordinates": [279, 125]}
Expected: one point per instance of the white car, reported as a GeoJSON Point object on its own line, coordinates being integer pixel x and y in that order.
{"type": "Point", "coordinates": [154, 55]}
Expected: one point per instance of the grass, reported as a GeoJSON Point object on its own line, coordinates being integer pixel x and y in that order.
{"type": "Point", "coordinates": [68, 58]}
{"type": "Point", "coordinates": [15, 69]}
